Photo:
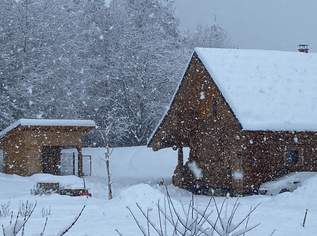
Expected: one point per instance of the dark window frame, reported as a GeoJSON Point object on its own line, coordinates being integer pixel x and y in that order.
{"type": "Point", "coordinates": [292, 157]}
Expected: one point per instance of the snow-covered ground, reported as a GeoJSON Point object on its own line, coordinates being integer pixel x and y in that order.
{"type": "Point", "coordinates": [136, 173]}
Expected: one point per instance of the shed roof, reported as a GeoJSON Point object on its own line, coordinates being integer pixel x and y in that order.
{"type": "Point", "coordinates": [47, 123]}
{"type": "Point", "coordinates": [267, 90]}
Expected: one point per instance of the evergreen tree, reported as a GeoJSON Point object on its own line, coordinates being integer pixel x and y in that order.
{"type": "Point", "coordinates": [117, 64]}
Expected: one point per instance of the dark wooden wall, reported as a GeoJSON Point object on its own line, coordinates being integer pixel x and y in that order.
{"type": "Point", "coordinates": [265, 154]}
{"type": "Point", "coordinates": [219, 145]}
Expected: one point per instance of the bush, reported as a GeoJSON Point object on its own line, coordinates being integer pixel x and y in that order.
{"type": "Point", "coordinates": [191, 221]}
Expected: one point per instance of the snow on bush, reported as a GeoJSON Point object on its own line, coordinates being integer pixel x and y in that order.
{"type": "Point", "coordinates": [5, 209]}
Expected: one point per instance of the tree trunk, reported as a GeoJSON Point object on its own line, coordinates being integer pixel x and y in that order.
{"type": "Point", "coordinates": [108, 172]}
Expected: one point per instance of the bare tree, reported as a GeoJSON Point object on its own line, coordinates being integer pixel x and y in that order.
{"type": "Point", "coordinates": [105, 137]}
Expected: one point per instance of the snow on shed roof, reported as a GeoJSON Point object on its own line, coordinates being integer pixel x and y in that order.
{"type": "Point", "coordinates": [267, 90]}
{"type": "Point", "coordinates": [48, 122]}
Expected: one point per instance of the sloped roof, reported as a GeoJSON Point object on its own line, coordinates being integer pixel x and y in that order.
{"type": "Point", "coordinates": [48, 122]}
{"type": "Point", "coordinates": [267, 90]}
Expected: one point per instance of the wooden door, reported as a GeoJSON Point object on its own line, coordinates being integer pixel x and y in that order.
{"type": "Point", "coordinates": [51, 160]}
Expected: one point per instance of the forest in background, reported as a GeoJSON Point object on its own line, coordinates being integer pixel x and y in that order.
{"type": "Point", "coordinates": [117, 63]}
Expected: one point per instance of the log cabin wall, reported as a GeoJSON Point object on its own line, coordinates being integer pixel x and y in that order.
{"type": "Point", "coordinates": [212, 141]}
{"type": "Point", "coordinates": [265, 155]}
{"type": "Point", "coordinates": [13, 148]}
{"type": "Point", "coordinates": [199, 117]}
{"type": "Point", "coordinates": [23, 146]}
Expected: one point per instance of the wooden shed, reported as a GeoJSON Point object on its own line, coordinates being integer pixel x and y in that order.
{"type": "Point", "coordinates": [34, 145]}
{"type": "Point", "coordinates": [247, 116]}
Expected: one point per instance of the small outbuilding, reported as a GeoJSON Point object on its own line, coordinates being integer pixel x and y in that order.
{"type": "Point", "coordinates": [247, 116]}
{"type": "Point", "coordinates": [34, 145]}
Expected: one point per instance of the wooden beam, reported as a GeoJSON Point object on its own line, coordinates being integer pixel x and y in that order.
{"type": "Point", "coordinates": [74, 164]}
{"type": "Point", "coordinates": [180, 156]}
{"type": "Point", "coordinates": [80, 162]}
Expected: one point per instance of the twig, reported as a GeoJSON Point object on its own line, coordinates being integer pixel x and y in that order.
{"type": "Point", "coordinates": [15, 224]}
{"type": "Point", "coordinates": [304, 221]}
{"type": "Point", "coordinates": [42, 233]}
{"type": "Point", "coordinates": [219, 212]}
{"type": "Point", "coordinates": [118, 232]}
{"type": "Point", "coordinates": [3, 231]}
{"type": "Point", "coordinates": [246, 224]}
{"type": "Point", "coordinates": [233, 212]}
{"type": "Point", "coordinates": [149, 222]}
{"type": "Point", "coordinates": [137, 222]}
{"type": "Point", "coordinates": [159, 215]}
{"type": "Point", "coordinates": [174, 209]}
{"type": "Point", "coordinates": [248, 215]}
{"type": "Point", "coordinates": [29, 215]}
{"type": "Point", "coordinates": [74, 222]}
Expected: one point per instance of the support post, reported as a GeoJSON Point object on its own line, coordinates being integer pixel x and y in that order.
{"type": "Point", "coordinates": [180, 156]}
{"type": "Point", "coordinates": [74, 164]}
{"type": "Point", "coordinates": [80, 162]}
{"type": "Point", "coordinates": [90, 165]}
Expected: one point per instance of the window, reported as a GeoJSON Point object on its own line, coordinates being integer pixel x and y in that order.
{"type": "Point", "coordinates": [292, 157]}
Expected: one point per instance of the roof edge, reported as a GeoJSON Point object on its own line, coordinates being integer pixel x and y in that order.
{"type": "Point", "coordinates": [47, 123]}
{"type": "Point", "coordinates": [158, 126]}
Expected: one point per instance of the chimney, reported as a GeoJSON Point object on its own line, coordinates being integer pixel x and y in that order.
{"type": "Point", "coordinates": [304, 48]}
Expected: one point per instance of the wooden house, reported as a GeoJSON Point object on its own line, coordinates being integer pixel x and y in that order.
{"type": "Point", "coordinates": [247, 116]}
{"type": "Point", "coordinates": [34, 145]}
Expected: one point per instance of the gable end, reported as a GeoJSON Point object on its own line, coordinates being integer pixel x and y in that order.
{"type": "Point", "coordinates": [190, 106]}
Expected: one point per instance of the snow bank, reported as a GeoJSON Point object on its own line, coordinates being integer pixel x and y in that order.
{"type": "Point", "coordinates": [143, 194]}
{"type": "Point", "coordinates": [283, 212]}
{"type": "Point", "coordinates": [267, 90]}
{"type": "Point", "coordinates": [70, 182]}
{"type": "Point", "coordinates": [289, 182]}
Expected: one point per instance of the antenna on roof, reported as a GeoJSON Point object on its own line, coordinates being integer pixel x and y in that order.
{"type": "Point", "coordinates": [303, 48]}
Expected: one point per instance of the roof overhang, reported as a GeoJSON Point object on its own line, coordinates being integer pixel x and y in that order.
{"type": "Point", "coordinates": [89, 124]}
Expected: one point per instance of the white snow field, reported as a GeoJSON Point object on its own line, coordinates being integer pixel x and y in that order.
{"type": "Point", "coordinates": [136, 172]}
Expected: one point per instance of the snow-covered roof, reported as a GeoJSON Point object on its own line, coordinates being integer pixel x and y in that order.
{"type": "Point", "coordinates": [267, 90]}
{"type": "Point", "coordinates": [48, 122]}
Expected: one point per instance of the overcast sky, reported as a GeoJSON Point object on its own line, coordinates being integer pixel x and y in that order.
{"type": "Point", "coordinates": [263, 24]}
